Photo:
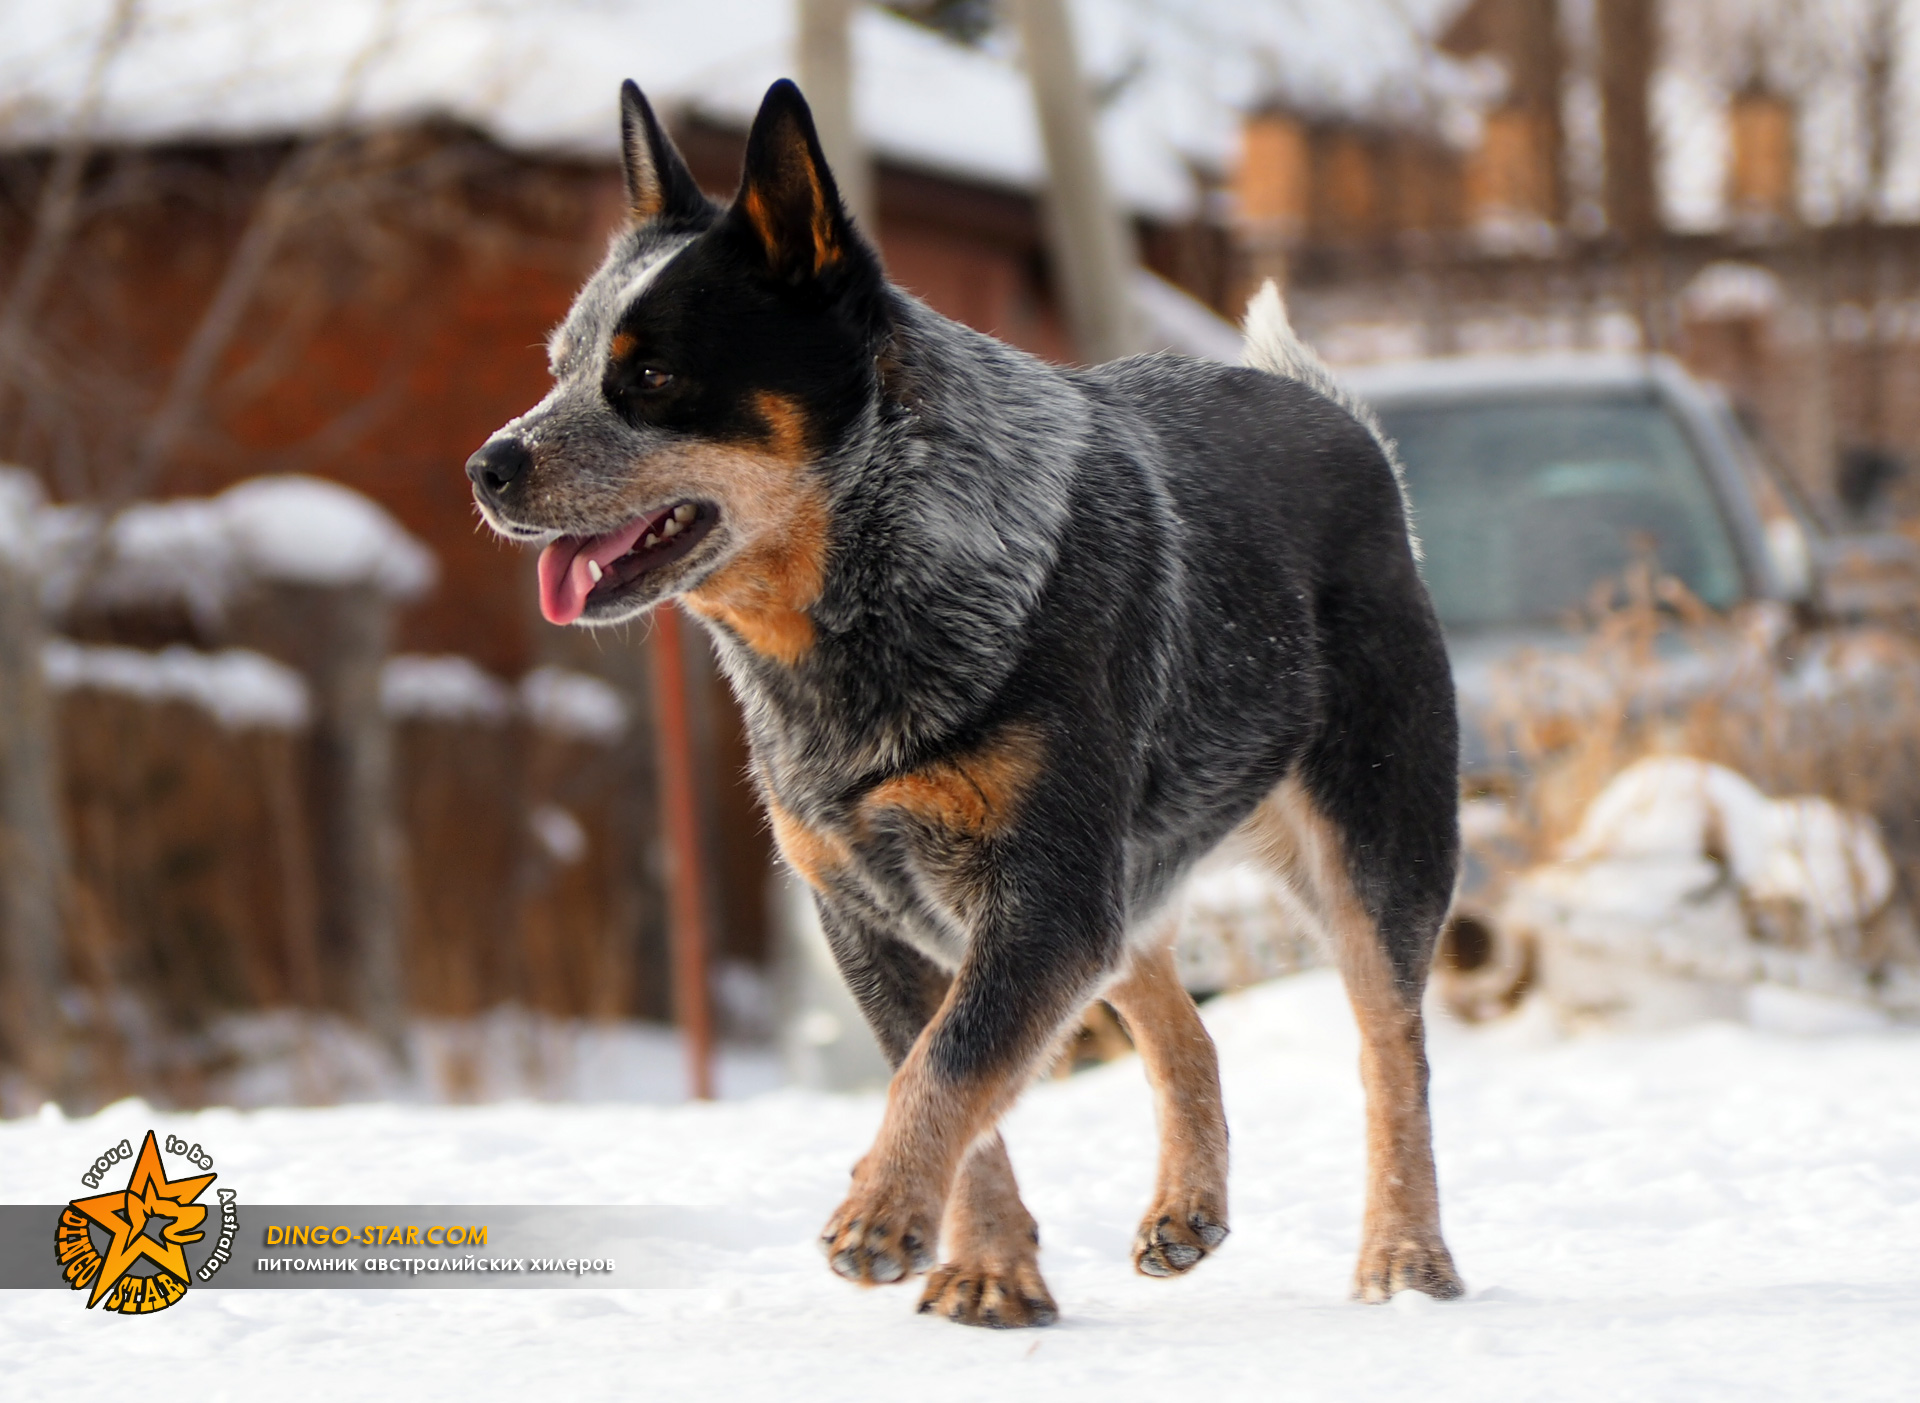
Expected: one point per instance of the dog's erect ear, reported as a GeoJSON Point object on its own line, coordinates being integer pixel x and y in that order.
{"type": "Point", "coordinates": [659, 185]}
{"type": "Point", "coordinates": [788, 203]}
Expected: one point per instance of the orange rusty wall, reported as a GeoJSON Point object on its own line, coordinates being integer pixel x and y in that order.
{"type": "Point", "coordinates": [379, 351]}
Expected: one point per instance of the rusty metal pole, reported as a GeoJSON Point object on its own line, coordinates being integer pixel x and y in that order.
{"type": "Point", "coordinates": [680, 816]}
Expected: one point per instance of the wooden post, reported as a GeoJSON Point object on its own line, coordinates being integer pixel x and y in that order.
{"type": "Point", "coordinates": [355, 730]}
{"type": "Point", "coordinates": [1628, 42]}
{"type": "Point", "coordinates": [339, 637]}
{"type": "Point", "coordinates": [1088, 234]}
{"type": "Point", "coordinates": [681, 818]}
{"type": "Point", "coordinates": [33, 850]}
{"type": "Point", "coordinates": [823, 64]}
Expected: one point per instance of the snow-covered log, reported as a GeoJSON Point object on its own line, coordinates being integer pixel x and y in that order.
{"type": "Point", "coordinates": [1685, 884]}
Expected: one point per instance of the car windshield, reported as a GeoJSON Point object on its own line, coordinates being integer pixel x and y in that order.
{"type": "Point", "coordinates": [1522, 505]}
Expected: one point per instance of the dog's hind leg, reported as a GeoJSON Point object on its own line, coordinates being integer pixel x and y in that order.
{"type": "Point", "coordinates": [1188, 1218]}
{"type": "Point", "coordinates": [1400, 1247]}
{"type": "Point", "coordinates": [990, 1272]}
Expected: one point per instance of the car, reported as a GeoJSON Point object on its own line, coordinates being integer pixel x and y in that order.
{"type": "Point", "coordinates": [1539, 486]}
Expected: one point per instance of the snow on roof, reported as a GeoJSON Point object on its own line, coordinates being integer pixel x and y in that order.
{"type": "Point", "coordinates": [546, 77]}
{"type": "Point", "coordinates": [204, 551]}
{"type": "Point", "coordinates": [239, 689]}
{"type": "Point", "coordinates": [1178, 321]}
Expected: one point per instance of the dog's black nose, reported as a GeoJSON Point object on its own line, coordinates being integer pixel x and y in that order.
{"type": "Point", "coordinates": [498, 464]}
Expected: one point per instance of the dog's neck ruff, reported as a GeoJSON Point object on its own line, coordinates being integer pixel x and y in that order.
{"type": "Point", "coordinates": [940, 514]}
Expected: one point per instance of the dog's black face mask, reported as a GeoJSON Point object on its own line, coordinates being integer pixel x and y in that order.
{"type": "Point", "coordinates": [701, 374]}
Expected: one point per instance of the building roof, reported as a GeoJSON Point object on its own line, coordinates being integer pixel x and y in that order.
{"type": "Point", "coordinates": [1176, 74]}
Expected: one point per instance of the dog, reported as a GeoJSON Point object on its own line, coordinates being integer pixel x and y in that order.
{"type": "Point", "coordinates": [1016, 646]}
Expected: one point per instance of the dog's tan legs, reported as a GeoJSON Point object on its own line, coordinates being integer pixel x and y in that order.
{"type": "Point", "coordinates": [1188, 1217]}
{"type": "Point", "coordinates": [889, 1225]}
{"type": "Point", "coordinates": [991, 1275]}
{"type": "Point", "coordinates": [1400, 1244]}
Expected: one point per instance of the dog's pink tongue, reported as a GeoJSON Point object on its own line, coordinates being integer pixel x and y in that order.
{"type": "Point", "coordinates": [565, 580]}
{"type": "Point", "coordinates": [566, 566]}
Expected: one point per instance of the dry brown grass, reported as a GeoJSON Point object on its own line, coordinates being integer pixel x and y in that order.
{"type": "Point", "coordinates": [1829, 711]}
{"type": "Point", "coordinates": [1833, 711]}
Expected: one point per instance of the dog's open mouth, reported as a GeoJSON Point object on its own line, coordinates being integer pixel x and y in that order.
{"type": "Point", "coordinates": [575, 571]}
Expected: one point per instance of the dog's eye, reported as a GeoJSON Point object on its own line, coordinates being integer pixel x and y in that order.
{"type": "Point", "coordinates": [652, 379]}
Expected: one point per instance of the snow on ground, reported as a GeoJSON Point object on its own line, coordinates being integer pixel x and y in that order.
{"type": "Point", "coordinates": [1717, 1213]}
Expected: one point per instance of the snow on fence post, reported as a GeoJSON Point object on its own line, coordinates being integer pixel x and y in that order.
{"type": "Point", "coordinates": [331, 568]}
{"type": "Point", "coordinates": [33, 859]}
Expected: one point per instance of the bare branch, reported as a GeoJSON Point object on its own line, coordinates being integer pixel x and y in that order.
{"type": "Point", "coordinates": [60, 197]}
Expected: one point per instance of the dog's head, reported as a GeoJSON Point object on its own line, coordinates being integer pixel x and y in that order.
{"type": "Point", "coordinates": [700, 376]}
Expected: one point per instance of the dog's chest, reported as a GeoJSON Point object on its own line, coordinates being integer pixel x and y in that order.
{"type": "Point", "coordinates": [897, 855]}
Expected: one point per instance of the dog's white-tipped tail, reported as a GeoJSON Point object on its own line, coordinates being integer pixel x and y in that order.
{"type": "Point", "coordinates": [1273, 346]}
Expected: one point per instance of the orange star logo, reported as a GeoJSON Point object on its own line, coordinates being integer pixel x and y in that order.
{"type": "Point", "coordinates": [150, 1220]}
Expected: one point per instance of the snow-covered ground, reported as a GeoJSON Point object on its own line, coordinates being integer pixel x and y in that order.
{"type": "Point", "coordinates": [1721, 1212]}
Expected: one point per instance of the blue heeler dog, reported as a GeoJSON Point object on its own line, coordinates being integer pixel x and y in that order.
{"type": "Point", "coordinates": [1017, 645]}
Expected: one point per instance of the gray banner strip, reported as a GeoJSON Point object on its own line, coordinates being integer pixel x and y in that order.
{"type": "Point", "coordinates": [277, 1247]}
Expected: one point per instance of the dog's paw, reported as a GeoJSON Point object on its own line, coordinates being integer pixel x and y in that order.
{"type": "Point", "coordinates": [1009, 1297]}
{"type": "Point", "coordinates": [1176, 1234]}
{"type": "Point", "coordinates": [1406, 1262]}
{"type": "Point", "coordinates": [875, 1239]}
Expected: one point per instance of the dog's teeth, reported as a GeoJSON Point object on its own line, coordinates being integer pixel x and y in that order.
{"type": "Point", "coordinates": [652, 540]}
{"type": "Point", "coordinates": [593, 569]}
{"type": "Point", "coordinates": [683, 513]}
{"type": "Point", "coordinates": [671, 529]}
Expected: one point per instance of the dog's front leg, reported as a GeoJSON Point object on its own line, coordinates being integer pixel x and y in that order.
{"type": "Point", "coordinates": [1002, 1014]}
{"type": "Point", "coordinates": [990, 1272]}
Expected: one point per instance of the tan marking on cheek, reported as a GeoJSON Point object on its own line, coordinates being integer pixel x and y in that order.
{"type": "Point", "coordinates": [814, 853]}
{"type": "Point", "coordinates": [781, 507]}
{"type": "Point", "coordinates": [621, 346]}
{"type": "Point", "coordinates": [786, 426]}
{"type": "Point", "coordinates": [976, 794]}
